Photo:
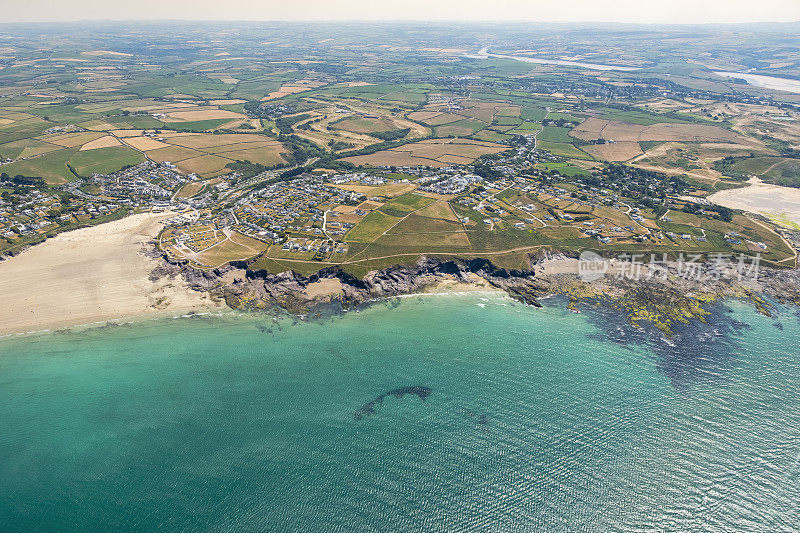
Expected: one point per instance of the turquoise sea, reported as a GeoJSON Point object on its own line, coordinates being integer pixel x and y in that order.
{"type": "Point", "coordinates": [537, 420]}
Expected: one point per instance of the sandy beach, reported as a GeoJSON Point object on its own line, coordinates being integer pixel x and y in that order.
{"type": "Point", "coordinates": [781, 204]}
{"type": "Point", "coordinates": [90, 275]}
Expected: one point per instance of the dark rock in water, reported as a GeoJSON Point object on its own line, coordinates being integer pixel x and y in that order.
{"type": "Point", "coordinates": [697, 352]}
{"type": "Point", "coordinates": [369, 407]}
{"type": "Point", "coordinates": [263, 328]}
{"type": "Point", "coordinates": [778, 325]}
{"type": "Point", "coordinates": [483, 419]}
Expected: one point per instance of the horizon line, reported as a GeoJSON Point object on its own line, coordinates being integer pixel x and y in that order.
{"type": "Point", "coordinates": [394, 21]}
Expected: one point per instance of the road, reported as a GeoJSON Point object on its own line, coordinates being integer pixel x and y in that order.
{"type": "Point", "coordinates": [325, 223]}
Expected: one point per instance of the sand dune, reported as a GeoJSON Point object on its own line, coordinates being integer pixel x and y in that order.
{"type": "Point", "coordinates": [87, 275]}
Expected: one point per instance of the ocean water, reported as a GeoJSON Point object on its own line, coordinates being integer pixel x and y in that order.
{"type": "Point", "coordinates": [537, 420]}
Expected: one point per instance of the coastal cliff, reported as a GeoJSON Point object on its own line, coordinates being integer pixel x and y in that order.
{"type": "Point", "coordinates": [247, 289]}
{"type": "Point", "coordinates": [664, 301]}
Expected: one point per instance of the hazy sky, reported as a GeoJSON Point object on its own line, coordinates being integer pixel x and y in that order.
{"type": "Point", "coordinates": [666, 11]}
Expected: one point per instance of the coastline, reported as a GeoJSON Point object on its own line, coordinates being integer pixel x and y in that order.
{"type": "Point", "coordinates": [664, 298]}
{"type": "Point", "coordinates": [92, 275]}
{"type": "Point", "coordinates": [778, 203]}
{"type": "Point", "coordinates": [111, 273]}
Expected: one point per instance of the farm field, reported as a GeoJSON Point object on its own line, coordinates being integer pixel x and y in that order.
{"type": "Point", "coordinates": [618, 151]}
{"type": "Point", "coordinates": [372, 227]}
{"type": "Point", "coordinates": [54, 166]}
{"type": "Point", "coordinates": [295, 87]}
{"type": "Point", "coordinates": [611, 130]}
{"type": "Point", "coordinates": [564, 150]}
{"type": "Point", "coordinates": [118, 140]}
{"type": "Point", "coordinates": [431, 152]}
{"type": "Point", "coordinates": [208, 154]}
{"type": "Point", "coordinates": [364, 125]}
{"type": "Point", "coordinates": [51, 157]}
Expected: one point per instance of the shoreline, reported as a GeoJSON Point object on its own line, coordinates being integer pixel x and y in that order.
{"type": "Point", "coordinates": [118, 321]}
{"type": "Point", "coordinates": [462, 290]}
{"type": "Point", "coordinates": [91, 275]}
{"type": "Point", "coordinates": [663, 301]}
{"type": "Point", "coordinates": [779, 203]}
{"type": "Point", "coordinates": [111, 273]}
{"type": "Point", "coordinates": [454, 290]}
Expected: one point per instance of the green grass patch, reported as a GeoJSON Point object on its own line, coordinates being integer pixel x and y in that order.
{"type": "Point", "coordinates": [680, 229]}
{"type": "Point", "coordinates": [563, 150]}
{"type": "Point", "coordinates": [197, 125]}
{"type": "Point", "coordinates": [134, 122]}
{"type": "Point", "coordinates": [51, 167]}
{"type": "Point", "coordinates": [533, 113]}
{"type": "Point", "coordinates": [572, 170]}
{"type": "Point", "coordinates": [492, 136]}
{"type": "Point", "coordinates": [104, 160]}
{"type": "Point", "coordinates": [406, 96]}
{"type": "Point", "coordinates": [526, 128]}
{"type": "Point", "coordinates": [371, 227]}
{"type": "Point", "coordinates": [460, 128]}
{"type": "Point", "coordinates": [405, 204]}
{"type": "Point", "coordinates": [555, 134]}
{"type": "Point", "coordinates": [635, 117]}
{"type": "Point", "coordinates": [507, 121]}
{"type": "Point", "coordinates": [26, 148]}
{"type": "Point", "coordinates": [421, 225]}
{"type": "Point", "coordinates": [564, 116]}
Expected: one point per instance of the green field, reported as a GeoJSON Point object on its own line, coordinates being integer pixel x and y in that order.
{"type": "Point", "coordinates": [52, 167]}
{"type": "Point", "coordinates": [104, 160]}
{"type": "Point", "coordinates": [507, 121]}
{"type": "Point", "coordinates": [492, 136]}
{"type": "Point", "coordinates": [460, 128]}
{"type": "Point", "coordinates": [565, 169]}
{"type": "Point", "coordinates": [405, 204]}
{"type": "Point", "coordinates": [564, 116]}
{"type": "Point", "coordinates": [555, 134]}
{"type": "Point", "coordinates": [26, 148]}
{"type": "Point", "coordinates": [371, 227]}
{"type": "Point", "coordinates": [416, 224]}
{"type": "Point", "coordinates": [533, 114]}
{"type": "Point", "coordinates": [197, 125]}
{"type": "Point", "coordinates": [526, 128]}
{"type": "Point", "coordinates": [636, 117]}
{"type": "Point", "coordinates": [563, 150]}
{"type": "Point", "coordinates": [135, 122]}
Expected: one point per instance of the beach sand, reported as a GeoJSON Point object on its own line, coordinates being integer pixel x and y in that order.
{"type": "Point", "coordinates": [451, 285]}
{"type": "Point", "coordinates": [90, 275]}
{"type": "Point", "coordinates": [781, 204]}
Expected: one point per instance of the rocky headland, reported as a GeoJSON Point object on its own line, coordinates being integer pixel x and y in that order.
{"type": "Point", "coordinates": [664, 298]}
